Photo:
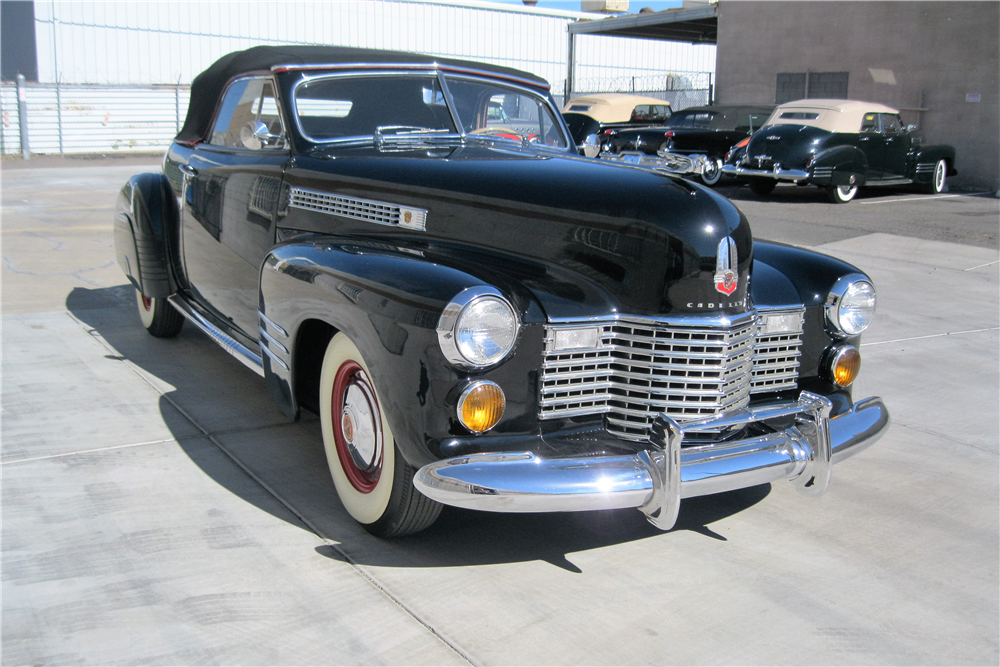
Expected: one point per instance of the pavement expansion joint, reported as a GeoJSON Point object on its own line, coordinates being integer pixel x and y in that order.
{"type": "Point", "coordinates": [940, 335]}
{"type": "Point", "coordinates": [394, 599]}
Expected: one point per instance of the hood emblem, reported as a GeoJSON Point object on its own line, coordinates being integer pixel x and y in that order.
{"type": "Point", "coordinates": [727, 279]}
{"type": "Point", "coordinates": [773, 137]}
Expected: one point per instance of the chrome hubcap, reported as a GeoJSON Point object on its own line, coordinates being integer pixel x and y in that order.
{"type": "Point", "coordinates": [358, 424]}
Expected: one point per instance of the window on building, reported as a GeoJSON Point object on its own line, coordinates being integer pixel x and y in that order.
{"type": "Point", "coordinates": [805, 85]}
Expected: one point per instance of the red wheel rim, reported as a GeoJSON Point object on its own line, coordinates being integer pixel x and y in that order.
{"type": "Point", "coordinates": [357, 426]}
{"type": "Point", "coordinates": [147, 303]}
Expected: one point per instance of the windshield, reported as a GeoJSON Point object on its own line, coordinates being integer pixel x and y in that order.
{"type": "Point", "coordinates": [414, 107]}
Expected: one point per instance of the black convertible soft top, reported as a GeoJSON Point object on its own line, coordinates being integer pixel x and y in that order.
{"type": "Point", "coordinates": [207, 86]}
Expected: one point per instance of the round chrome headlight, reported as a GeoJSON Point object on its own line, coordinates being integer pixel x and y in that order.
{"type": "Point", "coordinates": [478, 328]}
{"type": "Point", "coordinates": [850, 305]}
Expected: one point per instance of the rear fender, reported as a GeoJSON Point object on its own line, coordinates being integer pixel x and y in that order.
{"type": "Point", "coordinates": [145, 216]}
{"type": "Point", "coordinates": [840, 165]}
{"type": "Point", "coordinates": [926, 157]}
{"type": "Point", "coordinates": [388, 302]}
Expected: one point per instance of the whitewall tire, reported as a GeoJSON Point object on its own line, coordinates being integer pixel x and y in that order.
{"type": "Point", "coordinates": [937, 184]}
{"type": "Point", "coordinates": [373, 481]}
{"type": "Point", "coordinates": [841, 194]}
{"type": "Point", "coordinates": [158, 316]}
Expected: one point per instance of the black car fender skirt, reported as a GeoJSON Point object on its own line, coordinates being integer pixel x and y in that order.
{"type": "Point", "coordinates": [145, 212]}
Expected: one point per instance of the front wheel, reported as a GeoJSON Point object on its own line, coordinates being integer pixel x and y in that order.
{"type": "Point", "coordinates": [936, 186]}
{"type": "Point", "coordinates": [712, 172]}
{"type": "Point", "coordinates": [841, 194]}
{"type": "Point", "coordinates": [373, 480]}
{"type": "Point", "coordinates": [158, 316]}
{"type": "Point", "coordinates": [762, 186]}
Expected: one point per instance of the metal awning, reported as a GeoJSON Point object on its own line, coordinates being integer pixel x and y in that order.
{"type": "Point", "coordinates": [698, 25]}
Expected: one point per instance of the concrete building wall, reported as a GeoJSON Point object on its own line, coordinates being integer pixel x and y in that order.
{"type": "Point", "coordinates": [938, 62]}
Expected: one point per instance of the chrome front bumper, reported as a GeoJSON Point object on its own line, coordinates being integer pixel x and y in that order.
{"type": "Point", "coordinates": [656, 479]}
{"type": "Point", "coordinates": [673, 163]}
{"type": "Point", "coordinates": [777, 173]}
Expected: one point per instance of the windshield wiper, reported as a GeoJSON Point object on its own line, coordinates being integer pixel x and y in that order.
{"type": "Point", "coordinates": [395, 136]}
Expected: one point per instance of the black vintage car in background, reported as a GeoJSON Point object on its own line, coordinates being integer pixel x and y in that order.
{"type": "Point", "coordinates": [840, 146]}
{"type": "Point", "coordinates": [411, 248]}
{"type": "Point", "coordinates": [708, 131]}
{"type": "Point", "coordinates": [591, 118]}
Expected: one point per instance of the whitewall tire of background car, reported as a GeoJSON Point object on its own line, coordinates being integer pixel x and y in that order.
{"type": "Point", "coordinates": [158, 316]}
{"type": "Point", "coordinates": [712, 173]}
{"type": "Point", "coordinates": [936, 186]}
{"type": "Point", "coordinates": [373, 481]}
{"type": "Point", "coordinates": [841, 194]}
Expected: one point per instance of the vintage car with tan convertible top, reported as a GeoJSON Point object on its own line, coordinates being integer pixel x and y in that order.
{"type": "Point", "coordinates": [840, 146]}
{"type": "Point", "coordinates": [412, 248]}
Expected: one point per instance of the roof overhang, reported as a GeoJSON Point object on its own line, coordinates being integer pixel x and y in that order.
{"type": "Point", "coordinates": [699, 25]}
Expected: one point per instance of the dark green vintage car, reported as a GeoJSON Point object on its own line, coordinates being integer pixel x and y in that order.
{"type": "Point", "coordinates": [839, 145]}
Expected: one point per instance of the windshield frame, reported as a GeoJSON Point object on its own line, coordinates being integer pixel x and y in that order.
{"type": "Point", "coordinates": [441, 76]}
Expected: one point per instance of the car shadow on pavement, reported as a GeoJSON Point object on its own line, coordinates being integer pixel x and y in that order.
{"type": "Point", "coordinates": [209, 397]}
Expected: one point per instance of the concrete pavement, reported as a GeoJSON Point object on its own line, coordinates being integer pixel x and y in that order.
{"type": "Point", "coordinates": [158, 510]}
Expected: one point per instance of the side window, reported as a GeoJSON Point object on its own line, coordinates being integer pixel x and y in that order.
{"type": "Point", "coordinates": [247, 101]}
{"type": "Point", "coordinates": [891, 123]}
{"type": "Point", "coordinates": [869, 124]}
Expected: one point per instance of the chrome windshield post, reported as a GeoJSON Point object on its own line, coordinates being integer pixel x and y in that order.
{"type": "Point", "coordinates": [663, 461]}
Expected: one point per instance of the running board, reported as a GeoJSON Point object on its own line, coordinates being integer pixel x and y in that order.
{"type": "Point", "coordinates": [246, 356]}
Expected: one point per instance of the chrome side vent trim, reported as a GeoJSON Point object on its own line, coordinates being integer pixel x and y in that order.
{"type": "Point", "coordinates": [381, 213]}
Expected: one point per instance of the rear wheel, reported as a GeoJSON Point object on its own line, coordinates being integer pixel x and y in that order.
{"type": "Point", "coordinates": [158, 316]}
{"type": "Point", "coordinates": [713, 172]}
{"type": "Point", "coordinates": [373, 480]}
{"type": "Point", "coordinates": [762, 186]}
{"type": "Point", "coordinates": [841, 194]}
{"type": "Point", "coordinates": [936, 186]}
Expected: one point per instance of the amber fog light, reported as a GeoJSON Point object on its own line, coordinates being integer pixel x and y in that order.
{"type": "Point", "coordinates": [481, 406]}
{"type": "Point", "coordinates": [845, 365]}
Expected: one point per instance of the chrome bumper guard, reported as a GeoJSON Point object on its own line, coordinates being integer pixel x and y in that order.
{"type": "Point", "coordinates": [777, 173]}
{"type": "Point", "coordinates": [662, 161]}
{"type": "Point", "coordinates": [656, 479]}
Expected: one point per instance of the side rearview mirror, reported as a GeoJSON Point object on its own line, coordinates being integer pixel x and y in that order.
{"type": "Point", "coordinates": [255, 135]}
{"type": "Point", "coordinates": [911, 128]}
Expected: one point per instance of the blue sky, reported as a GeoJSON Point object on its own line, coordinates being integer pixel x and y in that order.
{"type": "Point", "coordinates": [574, 5]}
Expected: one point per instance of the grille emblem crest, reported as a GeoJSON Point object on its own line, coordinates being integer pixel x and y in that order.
{"type": "Point", "coordinates": [726, 276]}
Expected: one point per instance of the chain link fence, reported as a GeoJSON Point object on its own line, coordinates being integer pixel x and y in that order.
{"type": "Point", "coordinates": [67, 119]}
{"type": "Point", "coordinates": [681, 89]}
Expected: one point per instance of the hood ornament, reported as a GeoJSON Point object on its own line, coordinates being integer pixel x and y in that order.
{"type": "Point", "coordinates": [727, 278]}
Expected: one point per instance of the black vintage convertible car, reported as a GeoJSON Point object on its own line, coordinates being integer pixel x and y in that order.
{"type": "Point", "coordinates": [480, 316]}
{"type": "Point", "coordinates": [840, 146]}
{"type": "Point", "coordinates": [695, 132]}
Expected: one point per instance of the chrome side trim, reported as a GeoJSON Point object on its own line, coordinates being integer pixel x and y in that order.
{"type": "Point", "coordinates": [776, 173]}
{"type": "Point", "coordinates": [273, 357]}
{"type": "Point", "coordinates": [227, 342]}
{"type": "Point", "coordinates": [656, 479]}
{"type": "Point", "coordinates": [270, 323]}
{"type": "Point", "coordinates": [272, 340]}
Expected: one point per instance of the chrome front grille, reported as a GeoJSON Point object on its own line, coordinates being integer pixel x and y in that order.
{"type": "Point", "coordinates": [633, 370]}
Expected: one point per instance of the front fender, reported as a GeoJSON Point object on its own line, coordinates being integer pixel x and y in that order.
{"type": "Point", "coordinates": [837, 166]}
{"type": "Point", "coordinates": [388, 301]}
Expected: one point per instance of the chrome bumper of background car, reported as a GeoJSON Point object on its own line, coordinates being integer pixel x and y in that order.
{"type": "Point", "coordinates": [656, 479]}
{"type": "Point", "coordinates": [777, 172]}
{"type": "Point", "coordinates": [662, 161]}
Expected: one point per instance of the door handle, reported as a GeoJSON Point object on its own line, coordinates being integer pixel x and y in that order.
{"type": "Point", "coordinates": [188, 171]}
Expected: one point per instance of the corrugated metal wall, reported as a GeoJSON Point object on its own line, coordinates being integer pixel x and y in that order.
{"type": "Point", "coordinates": [70, 119]}
{"type": "Point", "coordinates": [171, 42]}
{"type": "Point", "coordinates": [145, 52]}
